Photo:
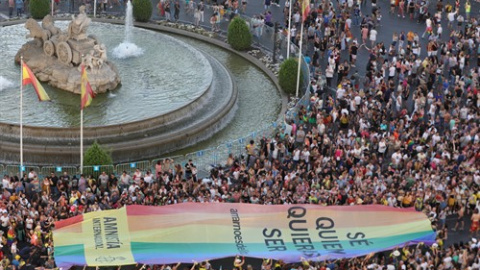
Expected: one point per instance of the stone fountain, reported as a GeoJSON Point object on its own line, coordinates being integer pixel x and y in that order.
{"type": "Point", "coordinates": [55, 56]}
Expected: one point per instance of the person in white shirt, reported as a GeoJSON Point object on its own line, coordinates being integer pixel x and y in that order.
{"type": "Point", "coordinates": [149, 177]}
{"type": "Point", "coordinates": [296, 18]}
{"type": "Point", "coordinates": [305, 155]}
{"type": "Point", "coordinates": [29, 223]}
{"type": "Point", "coordinates": [373, 36]}
{"type": "Point", "coordinates": [137, 176]}
{"type": "Point", "coordinates": [439, 30]}
{"type": "Point", "coordinates": [321, 128]}
{"type": "Point", "coordinates": [428, 27]}
{"type": "Point", "coordinates": [353, 106]}
{"type": "Point", "coordinates": [340, 93]}
{"type": "Point", "coordinates": [5, 181]}
{"type": "Point", "coordinates": [329, 74]}
{"type": "Point", "coordinates": [392, 201]}
{"type": "Point", "coordinates": [391, 71]}
{"type": "Point", "coordinates": [451, 18]}
{"type": "Point", "coordinates": [32, 174]}
{"type": "Point", "coordinates": [396, 158]}
{"type": "Point", "coordinates": [296, 155]}
{"type": "Point", "coordinates": [382, 147]}
{"type": "Point", "coordinates": [4, 220]}
{"type": "Point", "coordinates": [348, 22]}
{"type": "Point", "coordinates": [13, 248]}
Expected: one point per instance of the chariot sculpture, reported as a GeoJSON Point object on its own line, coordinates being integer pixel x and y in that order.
{"type": "Point", "coordinates": [71, 48]}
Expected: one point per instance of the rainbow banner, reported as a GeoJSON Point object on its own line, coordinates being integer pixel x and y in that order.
{"type": "Point", "coordinates": [194, 231]}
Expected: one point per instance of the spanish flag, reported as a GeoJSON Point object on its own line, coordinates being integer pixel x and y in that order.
{"type": "Point", "coordinates": [87, 92]}
{"type": "Point", "coordinates": [305, 9]}
{"type": "Point", "coordinates": [29, 78]}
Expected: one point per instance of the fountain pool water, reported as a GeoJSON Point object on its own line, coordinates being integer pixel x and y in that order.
{"type": "Point", "coordinates": [169, 75]}
{"type": "Point", "coordinates": [5, 83]}
{"type": "Point", "coordinates": [127, 48]}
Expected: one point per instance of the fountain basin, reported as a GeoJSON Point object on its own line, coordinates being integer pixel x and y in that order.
{"type": "Point", "coordinates": [259, 102]}
{"type": "Point", "coordinates": [168, 76]}
{"type": "Point", "coordinates": [131, 141]}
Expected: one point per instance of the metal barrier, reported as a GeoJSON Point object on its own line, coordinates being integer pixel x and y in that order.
{"type": "Point", "coordinates": [132, 166]}
{"type": "Point", "coordinates": [95, 171]}
{"type": "Point", "coordinates": [47, 170]}
{"type": "Point", "coordinates": [15, 170]}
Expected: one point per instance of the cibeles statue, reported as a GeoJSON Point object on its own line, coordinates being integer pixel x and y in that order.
{"type": "Point", "coordinates": [100, 55]}
{"type": "Point", "coordinates": [93, 61]}
{"type": "Point", "coordinates": [56, 56]}
{"type": "Point", "coordinates": [77, 29]}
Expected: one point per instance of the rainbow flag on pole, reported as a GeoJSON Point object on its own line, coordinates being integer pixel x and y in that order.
{"type": "Point", "coordinates": [29, 78]}
{"type": "Point", "coordinates": [193, 231]}
{"type": "Point", "coordinates": [87, 92]}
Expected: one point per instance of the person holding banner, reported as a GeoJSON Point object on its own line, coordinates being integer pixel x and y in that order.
{"type": "Point", "coordinates": [238, 263]}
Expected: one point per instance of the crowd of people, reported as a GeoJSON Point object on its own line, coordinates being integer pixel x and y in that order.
{"type": "Point", "coordinates": [406, 134]}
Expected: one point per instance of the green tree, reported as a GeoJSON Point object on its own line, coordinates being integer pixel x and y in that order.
{"type": "Point", "coordinates": [97, 155]}
{"type": "Point", "coordinates": [287, 76]}
{"type": "Point", "coordinates": [39, 8]}
{"type": "Point", "coordinates": [238, 35]}
{"type": "Point", "coordinates": [142, 10]}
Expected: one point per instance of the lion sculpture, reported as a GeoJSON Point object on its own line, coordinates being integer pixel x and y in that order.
{"type": "Point", "coordinates": [36, 31]}
{"type": "Point", "coordinates": [49, 25]}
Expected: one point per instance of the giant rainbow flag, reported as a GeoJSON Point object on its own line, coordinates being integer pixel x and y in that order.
{"type": "Point", "coordinates": [193, 231]}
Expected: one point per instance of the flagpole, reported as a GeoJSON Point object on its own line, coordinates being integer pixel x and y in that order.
{"type": "Point", "coordinates": [86, 96]}
{"type": "Point", "coordinates": [21, 117]}
{"type": "Point", "coordinates": [81, 141]}
{"type": "Point", "coordinates": [299, 58]}
{"type": "Point", "coordinates": [289, 37]}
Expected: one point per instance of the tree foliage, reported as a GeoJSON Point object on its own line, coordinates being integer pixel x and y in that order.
{"type": "Point", "coordinates": [142, 10]}
{"type": "Point", "coordinates": [39, 8]}
{"type": "Point", "coordinates": [287, 76]}
{"type": "Point", "coordinates": [238, 35]}
{"type": "Point", "coordinates": [97, 155]}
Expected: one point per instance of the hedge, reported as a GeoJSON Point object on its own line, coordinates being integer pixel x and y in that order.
{"type": "Point", "coordinates": [238, 35]}
{"type": "Point", "coordinates": [39, 8]}
{"type": "Point", "coordinates": [97, 155]}
{"type": "Point", "coordinates": [287, 76]}
{"type": "Point", "coordinates": [142, 10]}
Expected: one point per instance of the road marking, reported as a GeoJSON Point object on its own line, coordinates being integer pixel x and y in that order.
{"type": "Point", "coordinates": [4, 16]}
